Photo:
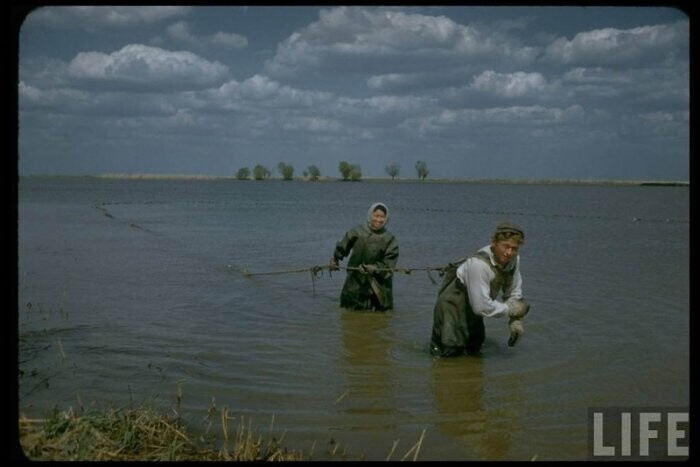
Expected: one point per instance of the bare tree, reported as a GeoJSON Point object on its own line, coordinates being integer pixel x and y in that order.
{"type": "Point", "coordinates": [392, 170]}
{"type": "Point", "coordinates": [422, 169]}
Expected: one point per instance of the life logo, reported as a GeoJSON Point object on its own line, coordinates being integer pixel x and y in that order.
{"type": "Point", "coordinates": [638, 433]}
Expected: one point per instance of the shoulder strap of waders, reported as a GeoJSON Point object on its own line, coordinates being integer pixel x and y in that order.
{"type": "Point", "coordinates": [450, 273]}
{"type": "Point", "coordinates": [482, 255]}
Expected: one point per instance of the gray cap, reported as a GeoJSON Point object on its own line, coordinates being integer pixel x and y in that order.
{"type": "Point", "coordinates": [507, 227]}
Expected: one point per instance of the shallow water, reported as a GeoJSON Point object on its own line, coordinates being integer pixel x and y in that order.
{"type": "Point", "coordinates": [129, 289]}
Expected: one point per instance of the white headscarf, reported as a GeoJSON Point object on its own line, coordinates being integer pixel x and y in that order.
{"type": "Point", "coordinates": [373, 208]}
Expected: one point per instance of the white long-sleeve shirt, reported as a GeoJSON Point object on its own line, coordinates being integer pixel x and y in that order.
{"type": "Point", "coordinates": [476, 276]}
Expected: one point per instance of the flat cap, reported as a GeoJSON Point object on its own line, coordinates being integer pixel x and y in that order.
{"type": "Point", "coordinates": [507, 227]}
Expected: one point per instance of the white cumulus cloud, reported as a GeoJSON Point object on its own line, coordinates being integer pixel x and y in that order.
{"type": "Point", "coordinates": [509, 84]}
{"type": "Point", "coordinates": [610, 45]}
{"type": "Point", "coordinates": [137, 64]}
{"type": "Point", "coordinates": [375, 39]}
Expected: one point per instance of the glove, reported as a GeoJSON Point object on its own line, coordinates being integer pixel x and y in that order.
{"type": "Point", "coordinates": [368, 268]}
{"type": "Point", "coordinates": [333, 265]}
{"type": "Point", "coordinates": [516, 330]}
{"type": "Point", "coordinates": [517, 308]}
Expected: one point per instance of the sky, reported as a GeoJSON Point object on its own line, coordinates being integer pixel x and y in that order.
{"type": "Point", "coordinates": [526, 92]}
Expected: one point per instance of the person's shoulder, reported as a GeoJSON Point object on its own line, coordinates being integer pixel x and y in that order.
{"type": "Point", "coordinates": [482, 254]}
{"type": "Point", "coordinates": [359, 229]}
{"type": "Point", "coordinates": [477, 261]}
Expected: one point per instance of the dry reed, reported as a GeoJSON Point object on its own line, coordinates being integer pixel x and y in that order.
{"type": "Point", "coordinates": [135, 434]}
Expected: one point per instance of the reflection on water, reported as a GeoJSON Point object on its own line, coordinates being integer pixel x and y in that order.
{"type": "Point", "coordinates": [365, 363]}
{"type": "Point", "coordinates": [458, 386]}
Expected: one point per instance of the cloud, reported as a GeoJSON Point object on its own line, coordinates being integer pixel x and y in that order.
{"type": "Point", "coordinates": [140, 67]}
{"type": "Point", "coordinates": [259, 88]}
{"type": "Point", "coordinates": [368, 40]}
{"type": "Point", "coordinates": [394, 81]}
{"type": "Point", "coordinates": [596, 75]}
{"type": "Point", "coordinates": [95, 18]}
{"type": "Point", "coordinates": [645, 88]}
{"type": "Point", "coordinates": [423, 81]}
{"type": "Point", "coordinates": [509, 84]}
{"type": "Point", "coordinates": [259, 94]}
{"type": "Point", "coordinates": [381, 110]}
{"type": "Point", "coordinates": [254, 98]}
{"type": "Point", "coordinates": [93, 107]}
{"type": "Point", "coordinates": [313, 124]}
{"type": "Point", "coordinates": [33, 97]}
{"type": "Point", "coordinates": [368, 82]}
{"type": "Point", "coordinates": [180, 31]}
{"type": "Point", "coordinates": [459, 122]}
{"type": "Point", "coordinates": [617, 46]}
{"type": "Point", "coordinates": [230, 40]}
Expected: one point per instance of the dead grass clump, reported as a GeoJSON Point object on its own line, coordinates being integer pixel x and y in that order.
{"type": "Point", "coordinates": [135, 434]}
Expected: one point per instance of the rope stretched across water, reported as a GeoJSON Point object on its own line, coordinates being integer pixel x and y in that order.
{"type": "Point", "coordinates": [317, 271]}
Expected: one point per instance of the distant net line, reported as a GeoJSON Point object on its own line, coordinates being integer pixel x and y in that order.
{"type": "Point", "coordinates": [545, 215]}
{"type": "Point", "coordinates": [483, 212]}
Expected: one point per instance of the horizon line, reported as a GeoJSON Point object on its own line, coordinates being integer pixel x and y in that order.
{"type": "Point", "coordinates": [175, 176]}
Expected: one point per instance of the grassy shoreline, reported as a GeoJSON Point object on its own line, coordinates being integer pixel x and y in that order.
{"type": "Point", "coordinates": [140, 434]}
{"type": "Point", "coordinates": [144, 434]}
{"type": "Point", "coordinates": [475, 181]}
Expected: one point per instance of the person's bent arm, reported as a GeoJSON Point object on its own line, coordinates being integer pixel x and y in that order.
{"type": "Point", "coordinates": [343, 247]}
{"type": "Point", "coordinates": [476, 276]}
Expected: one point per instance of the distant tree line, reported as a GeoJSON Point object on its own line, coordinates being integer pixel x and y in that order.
{"type": "Point", "coordinates": [348, 171]}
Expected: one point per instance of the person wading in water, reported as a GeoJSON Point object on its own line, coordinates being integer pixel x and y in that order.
{"type": "Point", "coordinates": [469, 293]}
{"type": "Point", "coordinates": [373, 252]}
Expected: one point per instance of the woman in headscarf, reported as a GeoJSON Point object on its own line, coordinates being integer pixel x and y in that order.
{"type": "Point", "coordinates": [373, 252]}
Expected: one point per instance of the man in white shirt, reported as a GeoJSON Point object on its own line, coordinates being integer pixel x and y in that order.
{"type": "Point", "coordinates": [470, 292]}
